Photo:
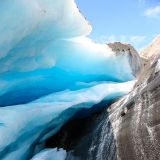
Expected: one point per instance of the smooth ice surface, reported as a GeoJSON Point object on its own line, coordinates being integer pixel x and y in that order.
{"type": "Point", "coordinates": [50, 71]}
{"type": "Point", "coordinates": [51, 154]}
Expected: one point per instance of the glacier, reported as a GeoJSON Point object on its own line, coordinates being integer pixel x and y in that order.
{"type": "Point", "coordinates": [51, 71]}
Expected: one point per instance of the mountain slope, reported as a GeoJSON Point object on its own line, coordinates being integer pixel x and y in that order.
{"type": "Point", "coordinates": [153, 49]}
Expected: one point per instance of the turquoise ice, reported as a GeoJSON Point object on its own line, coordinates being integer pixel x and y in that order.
{"type": "Point", "coordinates": [50, 71]}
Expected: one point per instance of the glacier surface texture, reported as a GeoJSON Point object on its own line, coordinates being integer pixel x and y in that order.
{"type": "Point", "coordinates": [50, 71]}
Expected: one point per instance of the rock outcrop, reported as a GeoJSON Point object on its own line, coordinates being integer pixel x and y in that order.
{"type": "Point", "coordinates": [135, 118]}
{"type": "Point", "coordinates": [134, 58]}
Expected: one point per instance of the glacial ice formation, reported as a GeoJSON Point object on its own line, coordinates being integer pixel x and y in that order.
{"type": "Point", "coordinates": [42, 42]}
{"type": "Point", "coordinates": [50, 70]}
{"type": "Point", "coordinates": [22, 127]}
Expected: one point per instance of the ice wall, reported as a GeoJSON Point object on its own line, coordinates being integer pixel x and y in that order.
{"type": "Point", "coordinates": [25, 127]}
{"type": "Point", "coordinates": [42, 42]}
{"type": "Point", "coordinates": [50, 70]}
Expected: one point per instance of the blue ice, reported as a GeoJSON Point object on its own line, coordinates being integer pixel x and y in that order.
{"type": "Point", "coordinates": [50, 71]}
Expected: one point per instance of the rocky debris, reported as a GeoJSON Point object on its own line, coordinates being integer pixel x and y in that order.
{"type": "Point", "coordinates": [134, 58]}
